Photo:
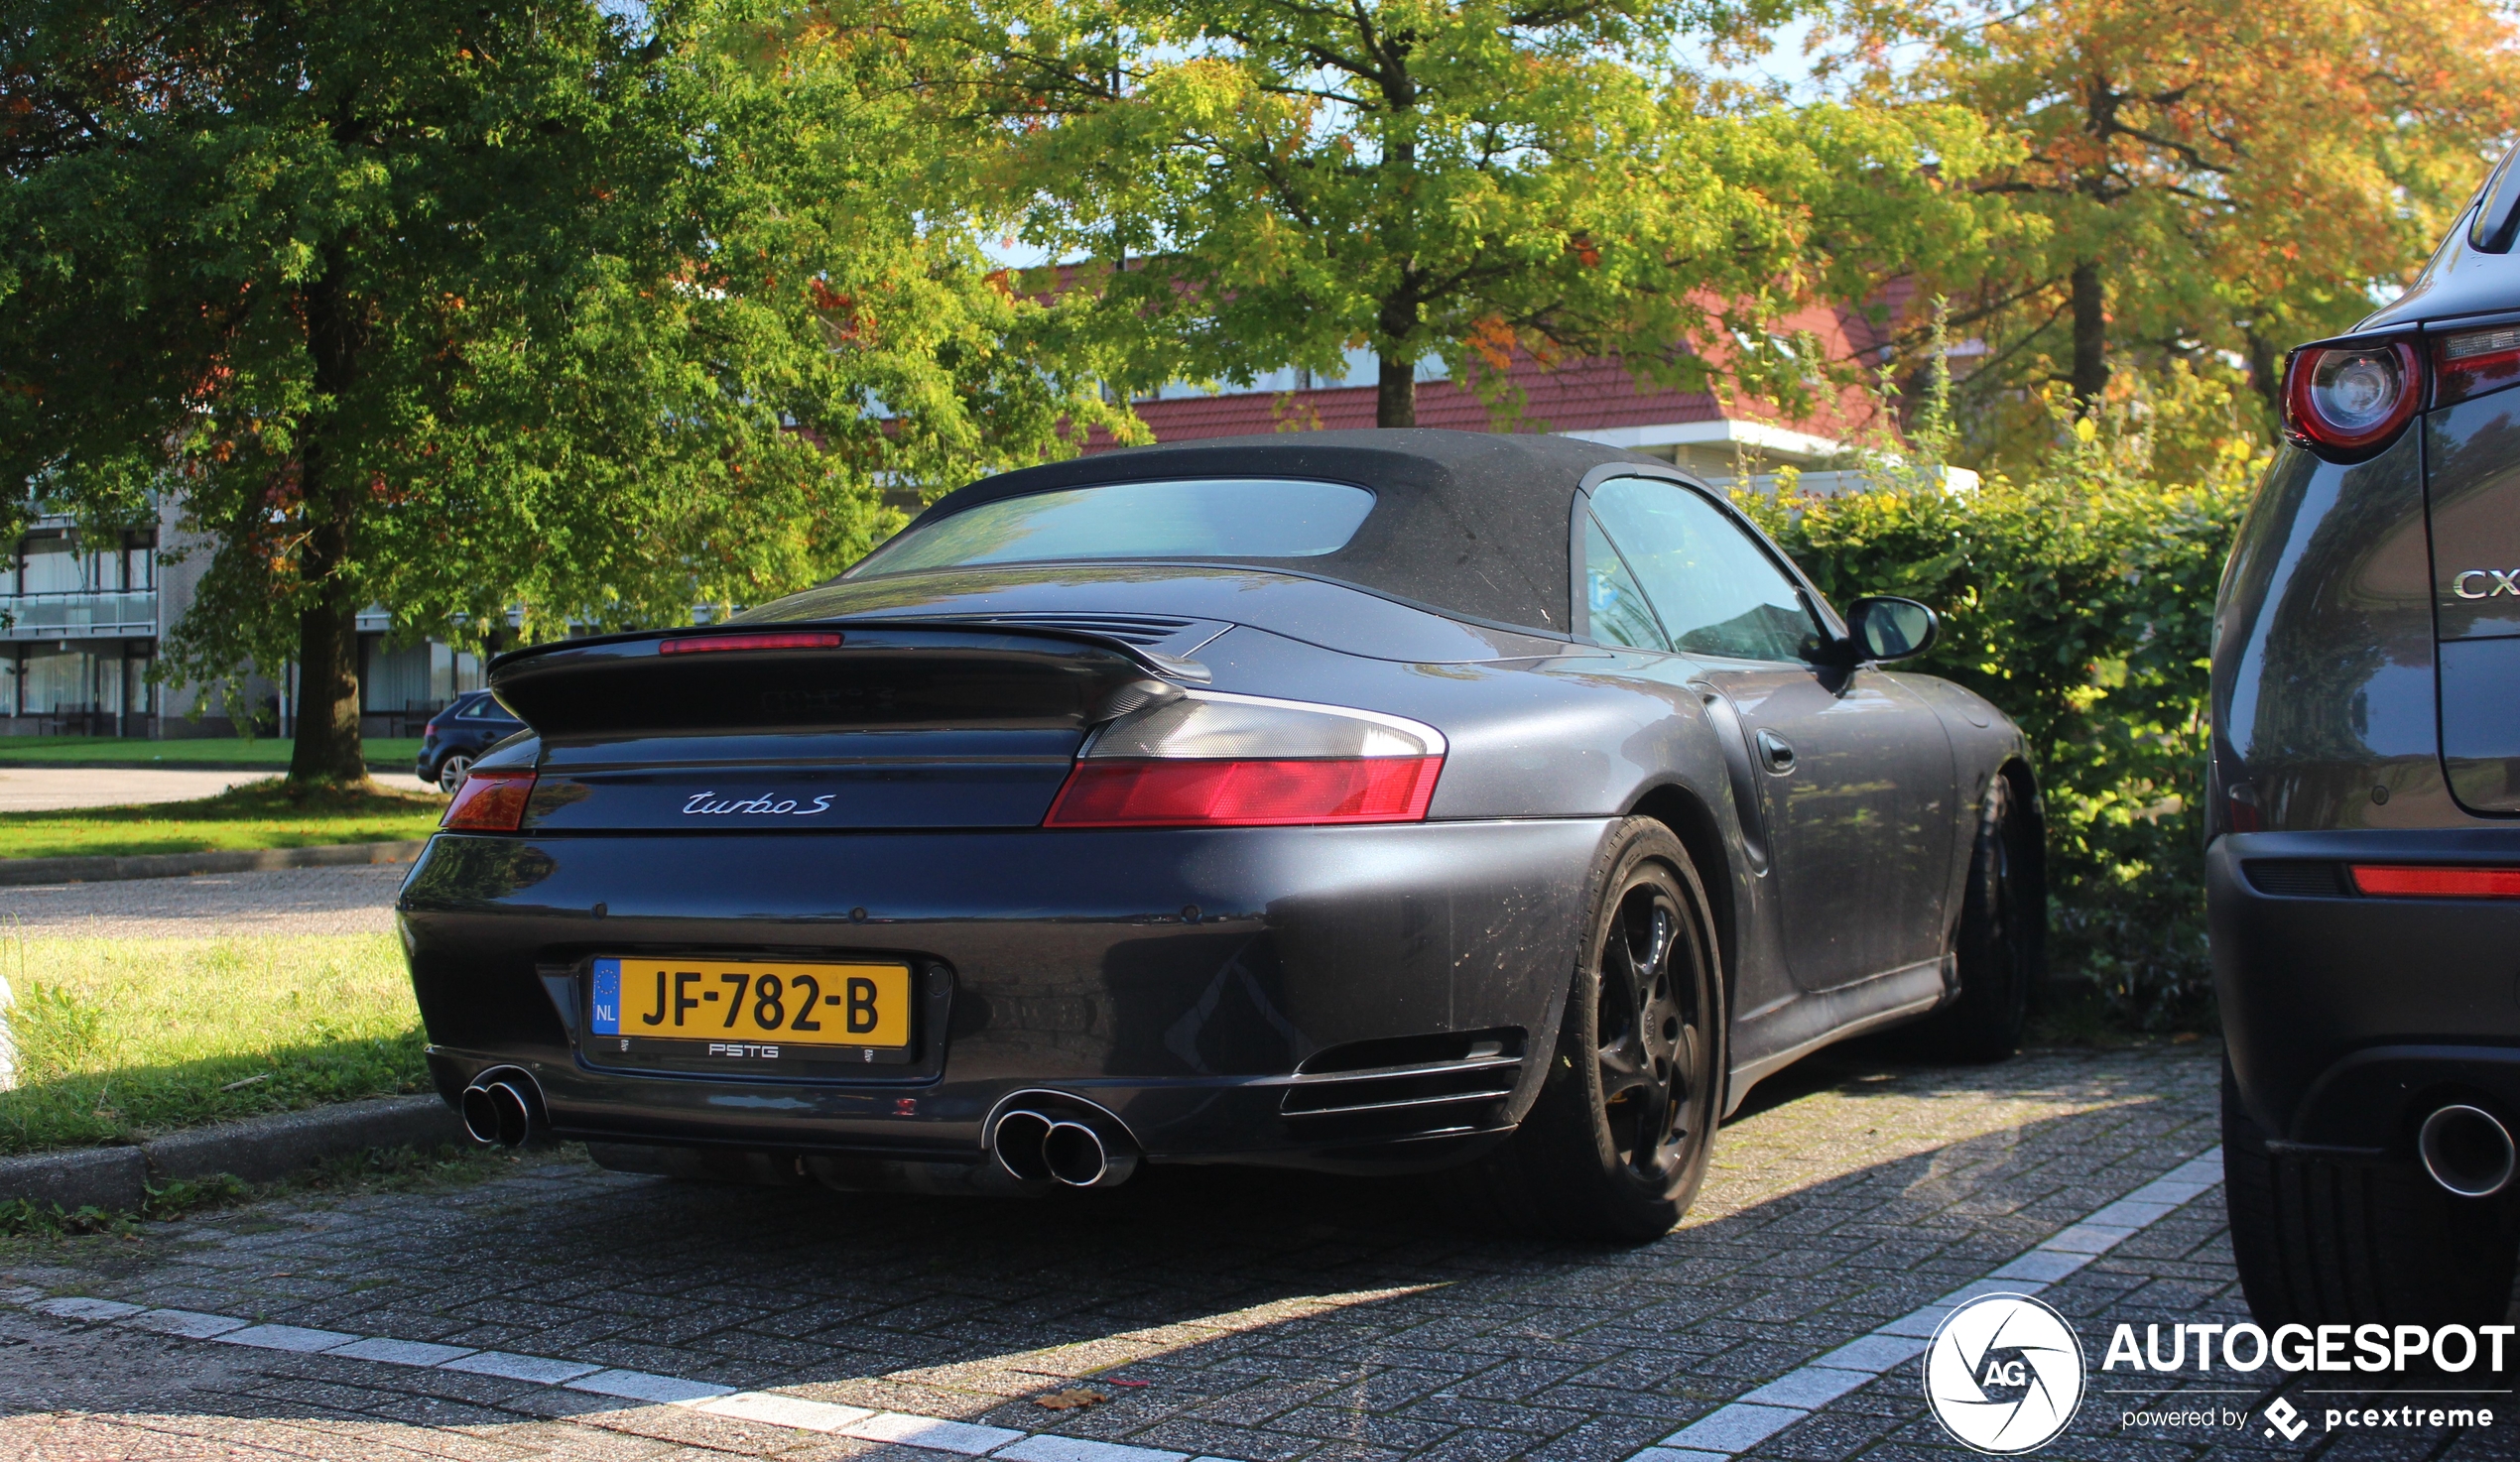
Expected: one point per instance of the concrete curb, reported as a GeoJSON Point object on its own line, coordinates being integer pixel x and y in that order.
{"type": "Point", "coordinates": [258, 1149]}
{"type": "Point", "coordinates": [22, 871]}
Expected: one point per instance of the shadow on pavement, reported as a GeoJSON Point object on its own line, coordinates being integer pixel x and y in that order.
{"type": "Point", "coordinates": [1263, 1315]}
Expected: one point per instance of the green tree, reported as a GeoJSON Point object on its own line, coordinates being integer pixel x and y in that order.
{"type": "Point", "coordinates": [2196, 181]}
{"type": "Point", "coordinates": [471, 306]}
{"type": "Point", "coordinates": [1262, 183]}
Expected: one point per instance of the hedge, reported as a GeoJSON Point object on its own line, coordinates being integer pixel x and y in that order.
{"type": "Point", "coordinates": [2081, 603]}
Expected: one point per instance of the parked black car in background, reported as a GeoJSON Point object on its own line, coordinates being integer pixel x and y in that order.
{"type": "Point", "coordinates": [1361, 802]}
{"type": "Point", "coordinates": [456, 736]}
{"type": "Point", "coordinates": [2364, 870]}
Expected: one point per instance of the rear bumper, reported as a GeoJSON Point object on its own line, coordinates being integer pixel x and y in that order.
{"type": "Point", "coordinates": [2348, 1019]}
{"type": "Point", "coordinates": [1178, 979]}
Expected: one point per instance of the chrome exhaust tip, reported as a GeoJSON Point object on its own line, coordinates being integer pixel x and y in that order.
{"type": "Point", "coordinates": [1090, 1152]}
{"type": "Point", "coordinates": [1059, 1139]}
{"type": "Point", "coordinates": [500, 1108]}
{"type": "Point", "coordinates": [2467, 1150]}
{"type": "Point", "coordinates": [1075, 1155]}
{"type": "Point", "coordinates": [1019, 1141]}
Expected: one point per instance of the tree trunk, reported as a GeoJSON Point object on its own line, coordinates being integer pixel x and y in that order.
{"type": "Point", "coordinates": [1396, 392]}
{"type": "Point", "coordinates": [328, 748]}
{"type": "Point", "coordinates": [2090, 339]}
{"type": "Point", "coordinates": [2266, 372]}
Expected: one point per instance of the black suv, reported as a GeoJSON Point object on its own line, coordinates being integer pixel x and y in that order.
{"type": "Point", "coordinates": [471, 724]}
{"type": "Point", "coordinates": [2365, 872]}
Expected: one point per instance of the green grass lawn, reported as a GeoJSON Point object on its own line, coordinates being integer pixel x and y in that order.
{"type": "Point", "coordinates": [118, 1040]}
{"type": "Point", "coordinates": [258, 814]}
{"type": "Point", "coordinates": [394, 752]}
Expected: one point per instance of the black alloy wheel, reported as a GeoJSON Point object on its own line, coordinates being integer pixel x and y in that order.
{"type": "Point", "coordinates": [1647, 1031]}
{"type": "Point", "coordinates": [1615, 1146]}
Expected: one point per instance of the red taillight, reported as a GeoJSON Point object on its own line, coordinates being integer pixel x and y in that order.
{"type": "Point", "coordinates": [1244, 794]}
{"type": "Point", "coordinates": [767, 639]}
{"type": "Point", "coordinates": [2473, 362]}
{"type": "Point", "coordinates": [2404, 882]}
{"type": "Point", "coordinates": [2350, 396]}
{"type": "Point", "coordinates": [428, 728]}
{"type": "Point", "coordinates": [489, 802]}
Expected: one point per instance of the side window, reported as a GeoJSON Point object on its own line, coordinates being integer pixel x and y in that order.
{"type": "Point", "coordinates": [1619, 613]}
{"type": "Point", "coordinates": [1716, 589]}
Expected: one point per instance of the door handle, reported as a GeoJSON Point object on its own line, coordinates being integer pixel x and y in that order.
{"type": "Point", "coordinates": [1777, 752]}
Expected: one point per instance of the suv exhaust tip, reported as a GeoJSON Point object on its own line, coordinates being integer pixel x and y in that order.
{"type": "Point", "coordinates": [2467, 1150]}
{"type": "Point", "coordinates": [502, 1107]}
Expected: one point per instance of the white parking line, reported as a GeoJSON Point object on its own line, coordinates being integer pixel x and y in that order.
{"type": "Point", "coordinates": [1794, 1397]}
{"type": "Point", "coordinates": [1716, 1437]}
{"type": "Point", "coordinates": [934, 1433]}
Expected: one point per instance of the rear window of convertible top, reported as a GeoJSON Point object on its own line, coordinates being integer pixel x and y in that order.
{"type": "Point", "coordinates": [1189, 518]}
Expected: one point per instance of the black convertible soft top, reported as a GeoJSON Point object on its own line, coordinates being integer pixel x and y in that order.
{"type": "Point", "coordinates": [1467, 522]}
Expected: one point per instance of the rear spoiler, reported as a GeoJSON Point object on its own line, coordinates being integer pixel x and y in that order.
{"type": "Point", "coordinates": [860, 674]}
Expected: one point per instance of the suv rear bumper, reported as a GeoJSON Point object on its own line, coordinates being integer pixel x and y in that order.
{"type": "Point", "coordinates": [2348, 1017]}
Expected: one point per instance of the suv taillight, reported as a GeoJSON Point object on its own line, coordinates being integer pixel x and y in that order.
{"type": "Point", "coordinates": [2349, 398]}
{"type": "Point", "coordinates": [2470, 363]}
{"type": "Point", "coordinates": [1205, 758]}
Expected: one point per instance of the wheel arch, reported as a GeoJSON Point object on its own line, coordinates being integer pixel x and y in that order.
{"type": "Point", "coordinates": [2029, 844]}
{"type": "Point", "coordinates": [1693, 822]}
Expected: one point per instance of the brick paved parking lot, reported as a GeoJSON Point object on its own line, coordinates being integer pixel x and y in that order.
{"type": "Point", "coordinates": [1224, 1314]}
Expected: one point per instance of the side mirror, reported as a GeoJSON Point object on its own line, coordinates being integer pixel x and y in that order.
{"type": "Point", "coordinates": [1886, 628]}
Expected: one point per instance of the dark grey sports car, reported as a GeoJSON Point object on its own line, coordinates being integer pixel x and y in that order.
{"type": "Point", "coordinates": [1368, 801]}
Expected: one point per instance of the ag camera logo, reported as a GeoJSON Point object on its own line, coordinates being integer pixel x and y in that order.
{"type": "Point", "coordinates": [2004, 1374]}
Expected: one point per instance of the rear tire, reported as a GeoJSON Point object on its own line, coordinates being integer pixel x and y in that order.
{"type": "Point", "coordinates": [1996, 943]}
{"type": "Point", "coordinates": [452, 771]}
{"type": "Point", "coordinates": [2324, 1242]}
{"type": "Point", "coordinates": [1615, 1146]}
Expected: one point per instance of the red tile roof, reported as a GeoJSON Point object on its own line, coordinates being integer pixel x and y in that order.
{"type": "Point", "coordinates": [1578, 396]}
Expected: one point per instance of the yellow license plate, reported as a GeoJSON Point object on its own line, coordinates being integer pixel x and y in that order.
{"type": "Point", "coordinates": [781, 1002]}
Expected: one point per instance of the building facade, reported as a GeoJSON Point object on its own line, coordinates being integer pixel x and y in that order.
{"type": "Point", "coordinates": [81, 619]}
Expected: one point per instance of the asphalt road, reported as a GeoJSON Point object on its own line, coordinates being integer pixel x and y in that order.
{"type": "Point", "coordinates": [299, 900]}
{"type": "Point", "coordinates": [60, 788]}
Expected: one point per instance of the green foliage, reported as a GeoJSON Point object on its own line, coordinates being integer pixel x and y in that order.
{"type": "Point", "coordinates": [2211, 182]}
{"type": "Point", "coordinates": [2080, 602]}
{"type": "Point", "coordinates": [599, 312]}
{"type": "Point", "coordinates": [1451, 180]}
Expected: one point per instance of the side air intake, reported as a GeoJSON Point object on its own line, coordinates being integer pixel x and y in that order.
{"type": "Point", "coordinates": [1411, 1087]}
